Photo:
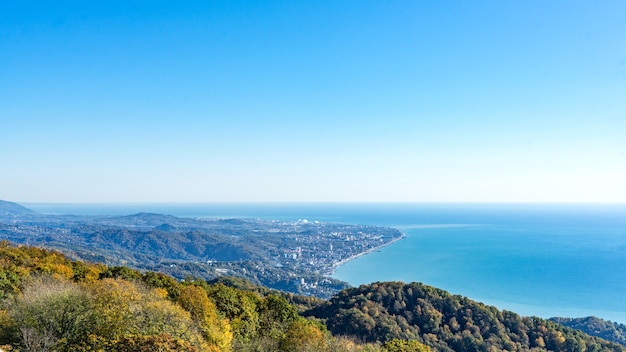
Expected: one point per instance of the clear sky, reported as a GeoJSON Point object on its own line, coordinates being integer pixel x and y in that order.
{"type": "Point", "coordinates": [298, 101]}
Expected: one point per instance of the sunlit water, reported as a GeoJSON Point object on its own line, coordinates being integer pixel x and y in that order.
{"type": "Point", "coordinates": [544, 260]}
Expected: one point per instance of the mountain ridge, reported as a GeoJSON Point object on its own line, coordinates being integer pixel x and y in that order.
{"type": "Point", "coordinates": [12, 209]}
{"type": "Point", "coordinates": [595, 326]}
{"type": "Point", "coordinates": [294, 256]}
{"type": "Point", "coordinates": [381, 317]}
{"type": "Point", "coordinates": [383, 311]}
{"type": "Point", "coordinates": [138, 233]}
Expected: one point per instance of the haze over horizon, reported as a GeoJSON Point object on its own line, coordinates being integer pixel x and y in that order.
{"type": "Point", "coordinates": [367, 101]}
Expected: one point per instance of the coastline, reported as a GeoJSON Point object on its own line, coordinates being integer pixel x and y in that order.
{"type": "Point", "coordinates": [334, 267]}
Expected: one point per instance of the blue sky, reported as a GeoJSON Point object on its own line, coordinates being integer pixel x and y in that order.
{"type": "Point", "coordinates": [313, 101]}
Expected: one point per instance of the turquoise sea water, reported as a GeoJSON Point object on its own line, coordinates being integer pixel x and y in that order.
{"type": "Point", "coordinates": [544, 260]}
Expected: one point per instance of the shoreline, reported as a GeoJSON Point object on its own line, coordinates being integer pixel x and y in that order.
{"type": "Point", "coordinates": [334, 267]}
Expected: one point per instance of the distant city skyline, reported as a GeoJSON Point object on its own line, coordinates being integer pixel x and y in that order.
{"type": "Point", "coordinates": [368, 101]}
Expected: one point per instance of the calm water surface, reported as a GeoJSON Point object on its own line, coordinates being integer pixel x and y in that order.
{"type": "Point", "coordinates": [544, 260]}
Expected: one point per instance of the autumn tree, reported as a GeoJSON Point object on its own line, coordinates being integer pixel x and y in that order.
{"type": "Point", "coordinates": [50, 311]}
{"type": "Point", "coordinates": [306, 336]}
{"type": "Point", "coordinates": [215, 329]}
{"type": "Point", "coordinates": [397, 345]}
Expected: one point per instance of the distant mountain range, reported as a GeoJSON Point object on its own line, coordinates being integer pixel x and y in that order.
{"type": "Point", "coordinates": [296, 257]}
{"type": "Point", "coordinates": [14, 210]}
{"type": "Point", "coordinates": [290, 256]}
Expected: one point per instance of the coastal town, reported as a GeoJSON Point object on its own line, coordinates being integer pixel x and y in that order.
{"type": "Point", "coordinates": [295, 256]}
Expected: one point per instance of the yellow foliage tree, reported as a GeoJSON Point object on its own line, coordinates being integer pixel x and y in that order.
{"type": "Point", "coordinates": [303, 335]}
{"type": "Point", "coordinates": [115, 301]}
{"type": "Point", "coordinates": [203, 311]}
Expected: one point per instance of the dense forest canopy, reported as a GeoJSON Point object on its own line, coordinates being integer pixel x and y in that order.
{"type": "Point", "coordinates": [596, 327]}
{"type": "Point", "coordinates": [389, 310]}
{"type": "Point", "coordinates": [49, 302]}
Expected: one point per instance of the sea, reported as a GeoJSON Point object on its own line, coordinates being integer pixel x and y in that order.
{"type": "Point", "coordinates": [543, 260]}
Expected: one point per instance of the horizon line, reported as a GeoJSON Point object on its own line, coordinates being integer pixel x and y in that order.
{"type": "Point", "coordinates": [325, 202]}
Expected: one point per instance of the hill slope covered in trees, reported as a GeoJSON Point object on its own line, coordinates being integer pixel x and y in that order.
{"type": "Point", "coordinates": [48, 302]}
{"type": "Point", "coordinates": [596, 327]}
{"type": "Point", "coordinates": [294, 256]}
{"type": "Point", "coordinates": [51, 303]}
{"type": "Point", "coordinates": [386, 310]}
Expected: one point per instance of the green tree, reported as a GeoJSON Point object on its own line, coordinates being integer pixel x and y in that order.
{"type": "Point", "coordinates": [397, 345]}
{"type": "Point", "coordinates": [275, 316]}
{"type": "Point", "coordinates": [238, 306]}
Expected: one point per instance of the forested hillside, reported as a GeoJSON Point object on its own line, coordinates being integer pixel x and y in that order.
{"type": "Point", "coordinates": [293, 256]}
{"type": "Point", "coordinates": [51, 303]}
{"type": "Point", "coordinates": [384, 311]}
{"type": "Point", "coordinates": [597, 327]}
